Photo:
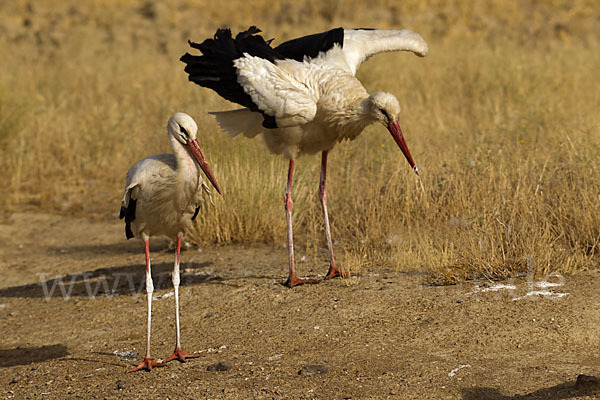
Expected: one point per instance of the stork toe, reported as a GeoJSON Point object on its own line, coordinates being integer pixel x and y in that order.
{"type": "Point", "coordinates": [295, 281]}
{"type": "Point", "coordinates": [147, 364]}
{"type": "Point", "coordinates": [180, 356]}
{"type": "Point", "coordinates": [335, 272]}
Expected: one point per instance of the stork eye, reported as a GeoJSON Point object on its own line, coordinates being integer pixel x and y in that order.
{"type": "Point", "coordinates": [385, 114]}
{"type": "Point", "coordinates": [183, 131]}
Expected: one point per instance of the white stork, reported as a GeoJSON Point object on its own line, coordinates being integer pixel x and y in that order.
{"type": "Point", "coordinates": [302, 96]}
{"type": "Point", "coordinates": [162, 197]}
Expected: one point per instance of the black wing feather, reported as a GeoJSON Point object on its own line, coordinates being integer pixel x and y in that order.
{"type": "Point", "coordinates": [129, 214]}
{"type": "Point", "coordinates": [311, 45]}
{"type": "Point", "coordinates": [214, 68]}
{"type": "Point", "coordinates": [195, 212]}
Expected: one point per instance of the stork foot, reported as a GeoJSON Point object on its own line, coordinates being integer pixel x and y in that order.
{"type": "Point", "coordinates": [147, 364]}
{"type": "Point", "coordinates": [295, 281]}
{"type": "Point", "coordinates": [335, 272]}
{"type": "Point", "coordinates": [181, 355]}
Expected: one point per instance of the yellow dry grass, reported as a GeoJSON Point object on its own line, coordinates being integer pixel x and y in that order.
{"type": "Point", "coordinates": [502, 118]}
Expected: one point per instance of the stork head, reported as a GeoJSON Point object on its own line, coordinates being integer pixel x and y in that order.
{"type": "Point", "coordinates": [386, 109]}
{"type": "Point", "coordinates": [184, 129]}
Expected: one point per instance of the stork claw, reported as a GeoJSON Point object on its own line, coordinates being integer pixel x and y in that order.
{"type": "Point", "coordinates": [295, 281]}
{"type": "Point", "coordinates": [335, 272]}
{"type": "Point", "coordinates": [147, 364]}
{"type": "Point", "coordinates": [181, 356]}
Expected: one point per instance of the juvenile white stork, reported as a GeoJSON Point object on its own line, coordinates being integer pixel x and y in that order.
{"type": "Point", "coordinates": [302, 96]}
{"type": "Point", "coordinates": [162, 196]}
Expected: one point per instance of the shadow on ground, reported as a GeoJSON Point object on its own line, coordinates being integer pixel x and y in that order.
{"type": "Point", "coordinates": [584, 386]}
{"type": "Point", "coordinates": [130, 246]}
{"type": "Point", "coordinates": [28, 355]}
{"type": "Point", "coordinates": [123, 280]}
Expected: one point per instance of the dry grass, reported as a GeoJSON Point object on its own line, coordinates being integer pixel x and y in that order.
{"type": "Point", "coordinates": [501, 117]}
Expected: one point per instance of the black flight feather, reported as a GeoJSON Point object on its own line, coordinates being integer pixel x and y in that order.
{"type": "Point", "coordinates": [195, 213]}
{"type": "Point", "coordinates": [129, 215]}
{"type": "Point", "coordinates": [311, 45]}
{"type": "Point", "coordinates": [214, 68]}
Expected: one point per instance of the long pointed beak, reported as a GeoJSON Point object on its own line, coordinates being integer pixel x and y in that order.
{"type": "Point", "coordinates": [396, 132]}
{"type": "Point", "coordinates": [196, 153]}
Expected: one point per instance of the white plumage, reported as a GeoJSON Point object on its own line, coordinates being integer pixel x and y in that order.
{"type": "Point", "coordinates": [302, 95]}
{"type": "Point", "coordinates": [166, 195]}
{"type": "Point", "coordinates": [162, 196]}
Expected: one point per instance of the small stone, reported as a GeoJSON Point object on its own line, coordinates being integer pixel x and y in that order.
{"type": "Point", "coordinates": [313, 369]}
{"type": "Point", "coordinates": [209, 314]}
{"type": "Point", "coordinates": [587, 381]}
{"type": "Point", "coordinates": [220, 366]}
{"type": "Point", "coordinates": [121, 385]}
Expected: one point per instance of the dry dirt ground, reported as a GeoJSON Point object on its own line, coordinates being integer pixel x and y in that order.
{"type": "Point", "coordinates": [388, 336]}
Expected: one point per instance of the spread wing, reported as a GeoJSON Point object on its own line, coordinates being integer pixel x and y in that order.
{"type": "Point", "coordinates": [276, 82]}
{"type": "Point", "coordinates": [360, 44]}
{"type": "Point", "coordinates": [356, 45]}
{"type": "Point", "coordinates": [244, 70]}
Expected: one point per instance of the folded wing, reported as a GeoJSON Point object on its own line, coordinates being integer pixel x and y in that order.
{"type": "Point", "coordinates": [276, 91]}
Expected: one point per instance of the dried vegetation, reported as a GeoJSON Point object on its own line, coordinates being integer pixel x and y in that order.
{"type": "Point", "coordinates": [502, 119]}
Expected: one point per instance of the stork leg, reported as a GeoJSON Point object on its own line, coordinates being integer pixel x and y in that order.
{"type": "Point", "coordinates": [333, 268]}
{"type": "Point", "coordinates": [178, 354]}
{"type": "Point", "coordinates": [148, 362]}
{"type": "Point", "coordinates": [292, 280]}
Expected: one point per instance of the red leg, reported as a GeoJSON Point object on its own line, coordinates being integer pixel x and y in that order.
{"type": "Point", "coordinates": [292, 280]}
{"type": "Point", "coordinates": [148, 362]}
{"type": "Point", "coordinates": [333, 267]}
{"type": "Point", "coordinates": [178, 354]}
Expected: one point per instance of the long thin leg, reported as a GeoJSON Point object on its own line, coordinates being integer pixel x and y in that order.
{"type": "Point", "coordinates": [292, 280]}
{"type": "Point", "coordinates": [178, 353]}
{"type": "Point", "coordinates": [333, 268]}
{"type": "Point", "coordinates": [148, 362]}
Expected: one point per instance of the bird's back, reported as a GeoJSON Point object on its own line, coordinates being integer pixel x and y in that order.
{"type": "Point", "coordinates": [152, 167]}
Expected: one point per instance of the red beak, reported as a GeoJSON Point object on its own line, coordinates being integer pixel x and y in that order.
{"type": "Point", "coordinates": [196, 153]}
{"type": "Point", "coordinates": [396, 132]}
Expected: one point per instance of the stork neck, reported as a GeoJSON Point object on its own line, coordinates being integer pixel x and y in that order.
{"type": "Point", "coordinates": [365, 107]}
{"type": "Point", "coordinates": [186, 166]}
{"type": "Point", "coordinates": [359, 115]}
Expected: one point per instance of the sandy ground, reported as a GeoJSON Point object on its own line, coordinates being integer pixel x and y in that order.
{"type": "Point", "coordinates": [389, 336]}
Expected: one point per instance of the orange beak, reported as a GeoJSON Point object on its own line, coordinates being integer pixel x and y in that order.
{"type": "Point", "coordinates": [396, 132]}
{"type": "Point", "coordinates": [196, 153]}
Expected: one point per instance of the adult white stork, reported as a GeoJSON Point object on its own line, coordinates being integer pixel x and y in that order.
{"type": "Point", "coordinates": [302, 96]}
{"type": "Point", "coordinates": [162, 196]}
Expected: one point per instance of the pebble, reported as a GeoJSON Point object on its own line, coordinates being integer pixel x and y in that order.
{"type": "Point", "coordinates": [587, 381]}
{"type": "Point", "coordinates": [121, 385]}
{"type": "Point", "coordinates": [220, 366]}
{"type": "Point", "coordinates": [313, 369]}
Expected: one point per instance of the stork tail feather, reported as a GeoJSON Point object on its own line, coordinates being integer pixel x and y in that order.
{"type": "Point", "coordinates": [239, 121]}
